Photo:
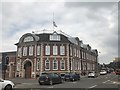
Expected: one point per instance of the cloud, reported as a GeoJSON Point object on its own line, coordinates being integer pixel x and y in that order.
{"type": "Point", "coordinates": [94, 23]}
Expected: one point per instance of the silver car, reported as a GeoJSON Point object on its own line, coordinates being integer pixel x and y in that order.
{"type": "Point", "coordinates": [92, 74]}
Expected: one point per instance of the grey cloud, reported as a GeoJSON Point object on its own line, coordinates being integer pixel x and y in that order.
{"type": "Point", "coordinates": [92, 5]}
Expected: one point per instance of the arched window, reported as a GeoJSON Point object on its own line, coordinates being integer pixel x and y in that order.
{"type": "Point", "coordinates": [28, 39]}
{"type": "Point", "coordinates": [62, 64]}
{"type": "Point", "coordinates": [55, 65]}
{"type": "Point", "coordinates": [47, 65]}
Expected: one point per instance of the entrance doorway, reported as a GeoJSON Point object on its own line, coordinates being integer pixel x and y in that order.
{"type": "Point", "coordinates": [27, 67]}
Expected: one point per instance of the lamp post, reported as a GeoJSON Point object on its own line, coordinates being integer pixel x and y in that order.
{"type": "Point", "coordinates": [97, 67]}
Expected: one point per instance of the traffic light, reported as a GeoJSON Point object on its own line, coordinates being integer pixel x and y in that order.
{"type": "Point", "coordinates": [7, 60]}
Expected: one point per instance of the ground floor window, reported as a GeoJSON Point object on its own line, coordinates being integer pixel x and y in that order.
{"type": "Point", "coordinates": [55, 65]}
{"type": "Point", "coordinates": [38, 63]}
{"type": "Point", "coordinates": [47, 65]}
{"type": "Point", "coordinates": [62, 65]}
{"type": "Point", "coordinates": [18, 65]}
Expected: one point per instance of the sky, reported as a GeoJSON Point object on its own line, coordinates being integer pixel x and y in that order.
{"type": "Point", "coordinates": [95, 23]}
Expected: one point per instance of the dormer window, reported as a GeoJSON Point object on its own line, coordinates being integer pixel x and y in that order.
{"type": "Point", "coordinates": [28, 39]}
{"type": "Point", "coordinates": [55, 37]}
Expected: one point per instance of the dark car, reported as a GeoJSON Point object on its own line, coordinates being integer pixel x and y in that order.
{"type": "Point", "coordinates": [72, 77]}
{"type": "Point", "coordinates": [50, 78]}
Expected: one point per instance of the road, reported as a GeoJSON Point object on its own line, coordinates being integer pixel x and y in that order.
{"type": "Point", "coordinates": [103, 81]}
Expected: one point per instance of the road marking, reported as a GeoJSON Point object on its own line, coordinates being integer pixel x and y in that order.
{"type": "Point", "coordinates": [74, 82]}
{"type": "Point", "coordinates": [106, 81]}
{"type": "Point", "coordinates": [50, 87]}
{"type": "Point", "coordinates": [93, 86]}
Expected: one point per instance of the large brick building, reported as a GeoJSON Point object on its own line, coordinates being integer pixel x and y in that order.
{"type": "Point", "coordinates": [53, 52]}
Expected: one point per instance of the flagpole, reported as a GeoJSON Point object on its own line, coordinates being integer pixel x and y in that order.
{"type": "Point", "coordinates": [53, 21]}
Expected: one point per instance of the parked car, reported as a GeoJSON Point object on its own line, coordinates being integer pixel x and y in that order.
{"type": "Point", "coordinates": [72, 77]}
{"type": "Point", "coordinates": [103, 72]}
{"type": "Point", "coordinates": [6, 84]}
{"type": "Point", "coordinates": [117, 72]}
{"type": "Point", "coordinates": [50, 78]}
{"type": "Point", "coordinates": [92, 74]}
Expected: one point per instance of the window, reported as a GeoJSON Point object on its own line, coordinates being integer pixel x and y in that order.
{"type": "Point", "coordinates": [24, 51]}
{"type": "Point", "coordinates": [70, 51]}
{"type": "Point", "coordinates": [62, 64]}
{"type": "Point", "coordinates": [38, 63]}
{"type": "Point", "coordinates": [77, 53]}
{"type": "Point", "coordinates": [28, 39]}
{"type": "Point", "coordinates": [82, 55]}
{"type": "Point", "coordinates": [71, 65]}
{"type": "Point", "coordinates": [55, 50]}
{"type": "Point", "coordinates": [55, 37]}
{"type": "Point", "coordinates": [18, 65]}
{"type": "Point", "coordinates": [62, 50]}
{"type": "Point", "coordinates": [74, 51]}
{"type": "Point", "coordinates": [38, 50]}
{"type": "Point", "coordinates": [47, 65]}
{"type": "Point", "coordinates": [55, 65]}
{"type": "Point", "coordinates": [79, 65]}
{"type": "Point", "coordinates": [31, 50]}
{"type": "Point", "coordinates": [19, 52]}
{"type": "Point", "coordinates": [47, 50]}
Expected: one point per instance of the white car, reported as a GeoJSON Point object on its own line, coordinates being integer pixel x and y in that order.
{"type": "Point", "coordinates": [103, 72]}
{"type": "Point", "coordinates": [6, 84]}
{"type": "Point", "coordinates": [92, 74]}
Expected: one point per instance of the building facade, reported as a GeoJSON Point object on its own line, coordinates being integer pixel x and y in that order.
{"type": "Point", "coordinates": [8, 64]}
{"type": "Point", "coordinates": [53, 52]}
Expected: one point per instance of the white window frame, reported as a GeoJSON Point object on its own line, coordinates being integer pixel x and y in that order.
{"type": "Point", "coordinates": [55, 61]}
{"type": "Point", "coordinates": [71, 51]}
{"type": "Point", "coordinates": [28, 39]}
{"type": "Point", "coordinates": [18, 65]}
{"type": "Point", "coordinates": [30, 50]}
{"type": "Point", "coordinates": [62, 61]}
{"type": "Point", "coordinates": [19, 51]}
{"type": "Point", "coordinates": [47, 50]}
{"type": "Point", "coordinates": [55, 50]}
{"type": "Point", "coordinates": [24, 51]}
{"type": "Point", "coordinates": [77, 53]}
{"type": "Point", "coordinates": [38, 63]}
{"type": "Point", "coordinates": [62, 50]}
{"type": "Point", "coordinates": [74, 51]}
{"type": "Point", "coordinates": [55, 37]}
{"type": "Point", "coordinates": [71, 65]}
{"type": "Point", "coordinates": [46, 63]}
{"type": "Point", "coordinates": [38, 50]}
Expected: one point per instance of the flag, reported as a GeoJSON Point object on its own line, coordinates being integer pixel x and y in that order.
{"type": "Point", "coordinates": [54, 24]}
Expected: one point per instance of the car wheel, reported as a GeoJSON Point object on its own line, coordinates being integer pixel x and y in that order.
{"type": "Point", "coordinates": [51, 82]}
{"type": "Point", "coordinates": [8, 87]}
{"type": "Point", "coordinates": [40, 83]}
